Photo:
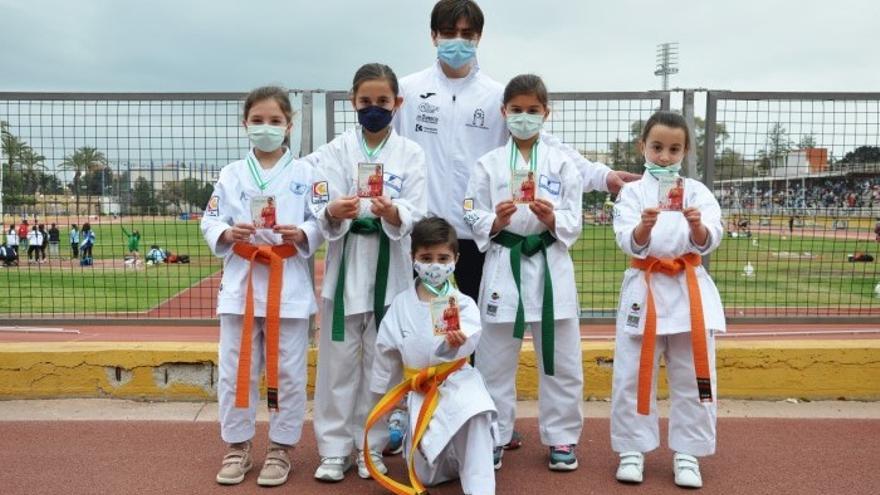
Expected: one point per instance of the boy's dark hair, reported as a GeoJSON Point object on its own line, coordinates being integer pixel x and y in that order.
{"type": "Point", "coordinates": [431, 231]}
{"type": "Point", "coordinates": [374, 72]}
{"type": "Point", "coordinates": [526, 84]}
{"type": "Point", "coordinates": [446, 14]}
{"type": "Point", "coordinates": [673, 120]}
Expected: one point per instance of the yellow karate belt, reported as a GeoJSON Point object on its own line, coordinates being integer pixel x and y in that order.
{"type": "Point", "coordinates": [274, 257]}
{"type": "Point", "coordinates": [672, 267]}
{"type": "Point", "coordinates": [427, 382]}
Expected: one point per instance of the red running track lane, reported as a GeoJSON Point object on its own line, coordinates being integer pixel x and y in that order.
{"type": "Point", "coordinates": [755, 456]}
{"type": "Point", "coordinates": [170, 333]}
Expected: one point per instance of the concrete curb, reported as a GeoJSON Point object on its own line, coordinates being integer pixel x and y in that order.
{"type": "Point", "coordinates": [166, 371]}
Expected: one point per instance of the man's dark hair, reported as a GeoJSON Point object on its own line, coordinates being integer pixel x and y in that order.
{"type": "Point", "coordinates": [446, 14]}
{"type": "Point", "coordinates": [431, 231]}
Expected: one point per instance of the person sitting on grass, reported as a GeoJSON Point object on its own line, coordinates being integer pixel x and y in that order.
{"type": "Point", "coordinates": [155, 255]}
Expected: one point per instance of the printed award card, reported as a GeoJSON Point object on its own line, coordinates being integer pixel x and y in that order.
{"type": "Point", "coordinates": [369, 180]}
{"type": "Point", "coordinates": [444, 314]}
{"type": "Point", "coordinates": [523, 186]}
{"type": "Point", "coordinates": [670, 194]}
{"type": "Point", "coordinates": [263, 212]}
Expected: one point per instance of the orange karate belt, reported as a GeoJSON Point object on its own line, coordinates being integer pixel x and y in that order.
{"type": "Point", "coordinates": [671, 267]}
{"type": "Point", "coordinates": [425, 381]}
{"type": "Point", "coordinates": [274, 257]}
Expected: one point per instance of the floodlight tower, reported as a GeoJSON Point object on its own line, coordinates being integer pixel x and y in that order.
{"type": "Point", "coordinates": [667, 62]}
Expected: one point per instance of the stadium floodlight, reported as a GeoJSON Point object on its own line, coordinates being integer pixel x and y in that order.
{"type": "Point", "coordinates": [667, 62]}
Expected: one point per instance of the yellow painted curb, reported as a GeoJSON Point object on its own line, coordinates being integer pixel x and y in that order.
{"type": "Point", "coordinates": [810, 369]}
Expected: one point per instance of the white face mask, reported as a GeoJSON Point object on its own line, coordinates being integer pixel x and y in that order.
{"type": "Point", "coordinates": [266, 138]}
{"type": "Point", "coordinates": [524, 125]}
{"type": "Point", "coordinates": [434, 274]}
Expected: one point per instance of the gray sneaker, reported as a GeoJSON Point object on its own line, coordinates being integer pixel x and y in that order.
{"type": "Point", "coordinates": [276, 467]}
{"type": "Point", "coordinates": [236, 463]}
{"type": "Point", "coordinates": [333, 468]}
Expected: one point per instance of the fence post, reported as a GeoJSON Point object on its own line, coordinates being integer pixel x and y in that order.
{"type": "Point", "coordinates": [688, 112]}
{"type": "Point", "coordinates": [709, 149]}
{"type": "Point", "coordinates": [306, 124]}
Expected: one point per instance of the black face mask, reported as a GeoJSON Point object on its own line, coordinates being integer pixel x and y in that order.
{"type": "Point", "coordinates": [374, 118]}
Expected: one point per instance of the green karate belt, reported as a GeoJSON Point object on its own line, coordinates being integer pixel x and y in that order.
{"type": "Point", "coordinates": [362, 226]}
{"type": "Point", "coordinates": [529, 246]}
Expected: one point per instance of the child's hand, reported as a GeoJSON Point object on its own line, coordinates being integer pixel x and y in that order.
{"type": "Point", "coordinates": [290, 234]}
{"type": "Point", "coordinates": [543, 209]}
{"type": "Point", "coordinates": [343, 208]}
{"type": "Point", "coordinates": [240, 232]}
{"type": "Point", "coordinates": [692, 215]}
{"type": "Point", "coordinates": [649, 217]}
{"type": "Point", "coordinates": [382, 207]}
{"type": "Point", "coordinates": [503, 211]}
{"type": "Point", "coordinates": [455, 338]}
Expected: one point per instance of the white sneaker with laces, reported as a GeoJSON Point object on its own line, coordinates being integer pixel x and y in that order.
{"type": "Point", "coordinates": [687, 471]}
{"type": "Point", "coordinates": [376, 457]}
{"type": "Point", "coordinates": [333, 468]}
{"type": "Point", "coordinates": [631, 468]}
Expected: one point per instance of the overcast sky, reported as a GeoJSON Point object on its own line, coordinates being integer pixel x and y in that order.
{"type": "Point", "coordinates": [225, 45]}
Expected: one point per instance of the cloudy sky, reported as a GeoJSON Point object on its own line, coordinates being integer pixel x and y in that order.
{"type": "Point", "coordinates": [225, 45]}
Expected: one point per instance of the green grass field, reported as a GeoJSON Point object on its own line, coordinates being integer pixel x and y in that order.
{"type": "Point", "coordinates": [822, 279]}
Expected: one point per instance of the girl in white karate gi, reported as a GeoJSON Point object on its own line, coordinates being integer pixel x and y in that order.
{"type": "Point", "coordinates": [668, 306]}
{"type": "Point", "coordinates": [368, 262]}
{"type": "Point", "coordinates": [266, 295]}
{"type": "Point", "coordinates": [528, 276]}
{"type": "Point", "coordinates": [462, 432]}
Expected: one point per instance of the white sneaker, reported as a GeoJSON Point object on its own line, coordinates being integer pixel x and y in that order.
{"type": "Point", "coordinates": [687, 471]}
{"type": "Point", "coordinates": [376, 457]}
{"type": "Point", "coordinates": [631, 468]}
{"type": "Point", "coordinates": [333, 468]}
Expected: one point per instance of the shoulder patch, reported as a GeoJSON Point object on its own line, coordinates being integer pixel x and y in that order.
{"type": "Point", "coordinates": [320, 192]}
{"type": "Point", "coordinates": [213, 208]}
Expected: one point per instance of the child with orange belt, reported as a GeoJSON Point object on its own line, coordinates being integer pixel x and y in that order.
{"type": "Point", "coordinates": [669, 305]}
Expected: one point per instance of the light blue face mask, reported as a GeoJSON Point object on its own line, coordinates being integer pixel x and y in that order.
{"type": "Point", "coordinates": [657, 170]}
{"type": "Point", "coordinates": [524, 125]}
{"type": "Point", "coordinates": [266, 138]}
{"type": "Point", "coordinates": [456, 52]}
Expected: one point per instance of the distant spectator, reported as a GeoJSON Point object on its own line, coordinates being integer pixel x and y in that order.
{"type": "Point", "coordinates": [12, 238]}
{"type": "Point", "coordinates": [9, 256]}
{"type": "Point", "coordinates": [134, 242]}
{"type": "Point", "coordinates": [44, 242]}
{"type": "Point", "coordinates": [74, 242]}
{"type": "Point", "coordinates": [23, 229]}
{"type": "Point", "coordinates": [54, 241]}
{"type": "Point", "coordinates": [34, 241]}
{"type": "Point", "coordinates": [155, 255]}
{"type": "Point", "coordinates": [87, 241]}
{"type": "Point", "coordinates": [877, 229]}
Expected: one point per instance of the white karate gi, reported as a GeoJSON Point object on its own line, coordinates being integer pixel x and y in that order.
{"type": "Point", "coordinates": [691, 422]}
{"type": "Point", "coordinates": [342, 398]}
{"type": "Point", "coordinates": [559, 181]}
{"type": "Point", "coordinates": [290, 182]}
{"type": "Point", "coordinates": [462, 434]}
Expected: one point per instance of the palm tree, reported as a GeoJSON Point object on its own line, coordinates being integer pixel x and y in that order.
{"type": "Point", "coordinates": [85, 159]}
{"type": "Point", "coordinates": [31, 161]}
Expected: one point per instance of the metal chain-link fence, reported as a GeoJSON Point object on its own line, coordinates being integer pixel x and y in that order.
{"type": "Point", "coordinates": [798, 177]}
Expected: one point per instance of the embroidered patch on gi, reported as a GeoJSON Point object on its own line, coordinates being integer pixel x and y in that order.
{"type": "Point", "coordinates": [471, 217]}
{"type": "Point", "coordinates": [394, 182]}
{"type": "Point", "coordinates": [243, 198]}
{"type": "Point", "coordinates": [632, 320]}
{"type": "Point", "coordinates": [551, 186]}
{"type": "Point", "coordinates": [213, 208]}
{"type": "Point", "coordinates": [468, 204]}
{"type": "Point", "coordinates": [492, 309]}
{"type": "Point", "coordinates": [320, 192]}
{"type": "Point", "coordinates": [298, 188]}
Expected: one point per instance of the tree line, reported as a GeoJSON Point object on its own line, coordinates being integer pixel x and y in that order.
{"type": "Point", "coordinates": [25, 176]}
